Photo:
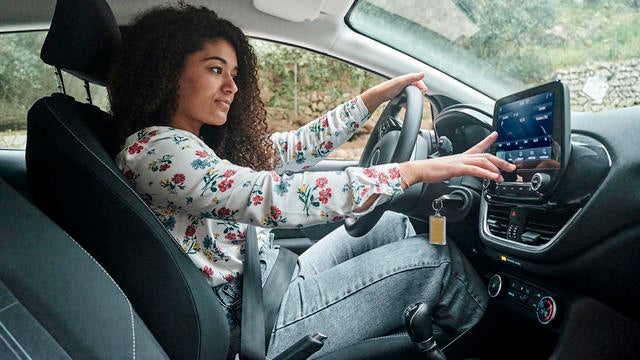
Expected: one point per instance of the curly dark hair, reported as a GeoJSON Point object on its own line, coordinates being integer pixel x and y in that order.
{"type": "Point", "coordinates": [143, 84]}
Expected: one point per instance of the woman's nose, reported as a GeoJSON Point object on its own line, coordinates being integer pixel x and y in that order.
{"type": "Point", "coordinates": [230, 85]}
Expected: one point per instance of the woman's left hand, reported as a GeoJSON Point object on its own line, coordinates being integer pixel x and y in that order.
{"type": "Point", "coordinates": [387, 90]}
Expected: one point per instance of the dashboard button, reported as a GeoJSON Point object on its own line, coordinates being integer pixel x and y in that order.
{"type": "Point", "coordinates": [523, 298]}
{"type": "Point", "coordinates": [537, 294]}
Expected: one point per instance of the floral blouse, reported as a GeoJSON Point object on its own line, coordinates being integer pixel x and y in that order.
{"type": "Point", "coordinates": [205, 201]}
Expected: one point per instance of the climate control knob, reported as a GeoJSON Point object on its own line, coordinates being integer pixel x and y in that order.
{"type": "Point", "coordinates": [495, 285]}
{"type": "Point", "coordinates": [540, 181]}
{"type": "Point", "coordinates": [546, 310]}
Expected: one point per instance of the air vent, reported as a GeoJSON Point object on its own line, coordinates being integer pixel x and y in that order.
{"type": "Point", "coordinates": [540, 227]}
{"type": "Point", "coordinates": [498, 221]}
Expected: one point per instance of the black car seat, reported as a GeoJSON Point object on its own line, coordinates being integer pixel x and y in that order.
{"type": "Point", "coordinates": [56, 302]}
{"type": "Point", "coordinates": [73, 178]}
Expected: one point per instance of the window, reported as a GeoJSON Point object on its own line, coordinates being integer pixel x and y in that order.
{"type": "Point", "coordinates": [24, 79]}
{"type": "Point", "coordinates": [298, 85]}
{"type": "Point", "coordinates": [500, 47]}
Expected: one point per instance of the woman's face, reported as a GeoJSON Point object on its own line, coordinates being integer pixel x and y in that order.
{"type": "Point", "coordinates": [206, 87]}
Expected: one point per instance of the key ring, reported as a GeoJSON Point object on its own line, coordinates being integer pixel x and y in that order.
{"type": "Point", "coordinates": [437, 205]}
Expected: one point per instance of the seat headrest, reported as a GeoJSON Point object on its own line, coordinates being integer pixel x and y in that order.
{"type": "Point", "coordinates": [82, 39]}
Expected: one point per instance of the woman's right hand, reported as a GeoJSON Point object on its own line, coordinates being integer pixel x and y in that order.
{"type": "Point", "coordinates": [473, 162]}
{"type": "Point", "coordinates": [375, 96]}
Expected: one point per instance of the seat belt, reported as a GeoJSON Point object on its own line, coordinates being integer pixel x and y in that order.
{"type": "Point", "coordinates": [276, 286]}
{"type": "Point", "coordinates": [259, 313]}
{"type": "Point", "coordinates": [252, 345]}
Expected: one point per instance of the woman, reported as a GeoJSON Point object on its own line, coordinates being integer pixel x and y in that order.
{"type": "Point", "coordinates": [185, 94]}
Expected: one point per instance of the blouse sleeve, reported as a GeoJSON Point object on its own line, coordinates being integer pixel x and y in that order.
{"type": "Point", "coordinates": [303, 148]}
{"type": "Point", "coordinates": [176, 171]}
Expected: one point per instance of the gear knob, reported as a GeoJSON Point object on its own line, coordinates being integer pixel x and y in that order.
{"type": "Point", "coordinates": [417, 322]}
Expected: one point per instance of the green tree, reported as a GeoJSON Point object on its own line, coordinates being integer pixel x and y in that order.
{"type": "Point", "coordinates": [508, 31]}
{"type": "Point", "coordinates": [23, 77]}
{"type": "Point", "coordinates": [291, 76]}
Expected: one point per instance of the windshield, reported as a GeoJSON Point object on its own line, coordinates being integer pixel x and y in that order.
{"type": "Point", "coordinates": [502, 46]}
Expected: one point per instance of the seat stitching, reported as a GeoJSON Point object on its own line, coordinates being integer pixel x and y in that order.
{"type": "Point", "coordinates": [15, 341]}
{"type": "Point", "coordinates": [8, 306]}
{"type": "Point", "coordinates": [133, 329]}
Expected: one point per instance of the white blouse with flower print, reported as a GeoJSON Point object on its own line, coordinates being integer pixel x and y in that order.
{"type": "Point", "coordinates": [205, 201]}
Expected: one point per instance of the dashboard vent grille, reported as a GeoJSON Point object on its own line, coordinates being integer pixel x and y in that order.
{"type": "Point", "coordinates": [545, 223]}
{"type": "Point", "coordinates": [498, 221]}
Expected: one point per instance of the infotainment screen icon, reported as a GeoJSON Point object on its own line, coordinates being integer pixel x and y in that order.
{"type": "Point", "coordinates": [534, 134]}
{"type": "Point", "coordinates": [525, 129]}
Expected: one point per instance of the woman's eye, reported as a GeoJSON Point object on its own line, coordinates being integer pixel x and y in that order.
{"type": "Point", "coordinates": [216, 69]}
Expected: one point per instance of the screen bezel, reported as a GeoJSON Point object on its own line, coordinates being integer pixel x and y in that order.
{"type": "Point", "coordinates": [561, 130]}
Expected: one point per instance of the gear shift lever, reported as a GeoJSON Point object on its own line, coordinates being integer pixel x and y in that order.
{"type": "Point", "coordinates": [417, 322]}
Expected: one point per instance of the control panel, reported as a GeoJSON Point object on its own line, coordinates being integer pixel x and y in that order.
{"type": "Point", "coordinates": [534, 134]}
{"type": "Point", "coordinates": [531, 299]}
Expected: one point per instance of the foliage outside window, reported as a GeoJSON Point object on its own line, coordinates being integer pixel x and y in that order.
{"type": "Point", "coordinates": [502, 46]}
{"type": "Point", "coordinates": [24, 79]}
{"type": "Point", "coordinates": [297, 85]}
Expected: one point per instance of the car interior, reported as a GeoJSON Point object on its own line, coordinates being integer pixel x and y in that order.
{"type": "Point", "coordinates": [88, 271]}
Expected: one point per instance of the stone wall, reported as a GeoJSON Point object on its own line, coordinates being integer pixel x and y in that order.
{"type": "Point", "coordinates": [603, 85]}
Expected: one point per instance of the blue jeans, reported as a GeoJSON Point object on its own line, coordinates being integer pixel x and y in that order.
{"type": "Point", "coordinates": [352, 289]}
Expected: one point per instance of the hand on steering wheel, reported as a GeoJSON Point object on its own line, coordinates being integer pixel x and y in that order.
{"type": "Point", "coordinates": [391, 140]}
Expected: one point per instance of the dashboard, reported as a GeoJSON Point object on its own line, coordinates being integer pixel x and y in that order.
{"type": "Point", "coordinates": [579, 227]}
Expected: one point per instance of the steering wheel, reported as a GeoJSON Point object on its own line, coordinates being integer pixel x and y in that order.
{"type": "Point", "coordinates": [391, 140]}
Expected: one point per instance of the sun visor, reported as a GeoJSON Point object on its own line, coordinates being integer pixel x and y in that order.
{"type": "Point", "coordinates": [292, 10]}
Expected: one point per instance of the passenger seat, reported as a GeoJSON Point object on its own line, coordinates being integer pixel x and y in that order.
{"type": "Point", "coordinates": [56, 302]}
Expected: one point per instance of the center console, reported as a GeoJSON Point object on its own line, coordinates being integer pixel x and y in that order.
{"type": "Point", "coordinates": [537, 221]}
{"type": "Point", "coordinates": [526, 213]}
{"type": "Point", "coordinates": [522, 217]}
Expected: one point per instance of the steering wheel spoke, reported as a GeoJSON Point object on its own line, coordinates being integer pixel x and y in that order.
{"type": "Point", "coordinates": [388, 124]}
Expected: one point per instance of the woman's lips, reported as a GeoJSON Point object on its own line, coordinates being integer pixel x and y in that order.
{"type": "Point", "coordinates": [224, 103]}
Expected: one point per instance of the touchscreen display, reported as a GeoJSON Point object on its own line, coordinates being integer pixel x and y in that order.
{"type": "Point", "coordinates": [525, 129]}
